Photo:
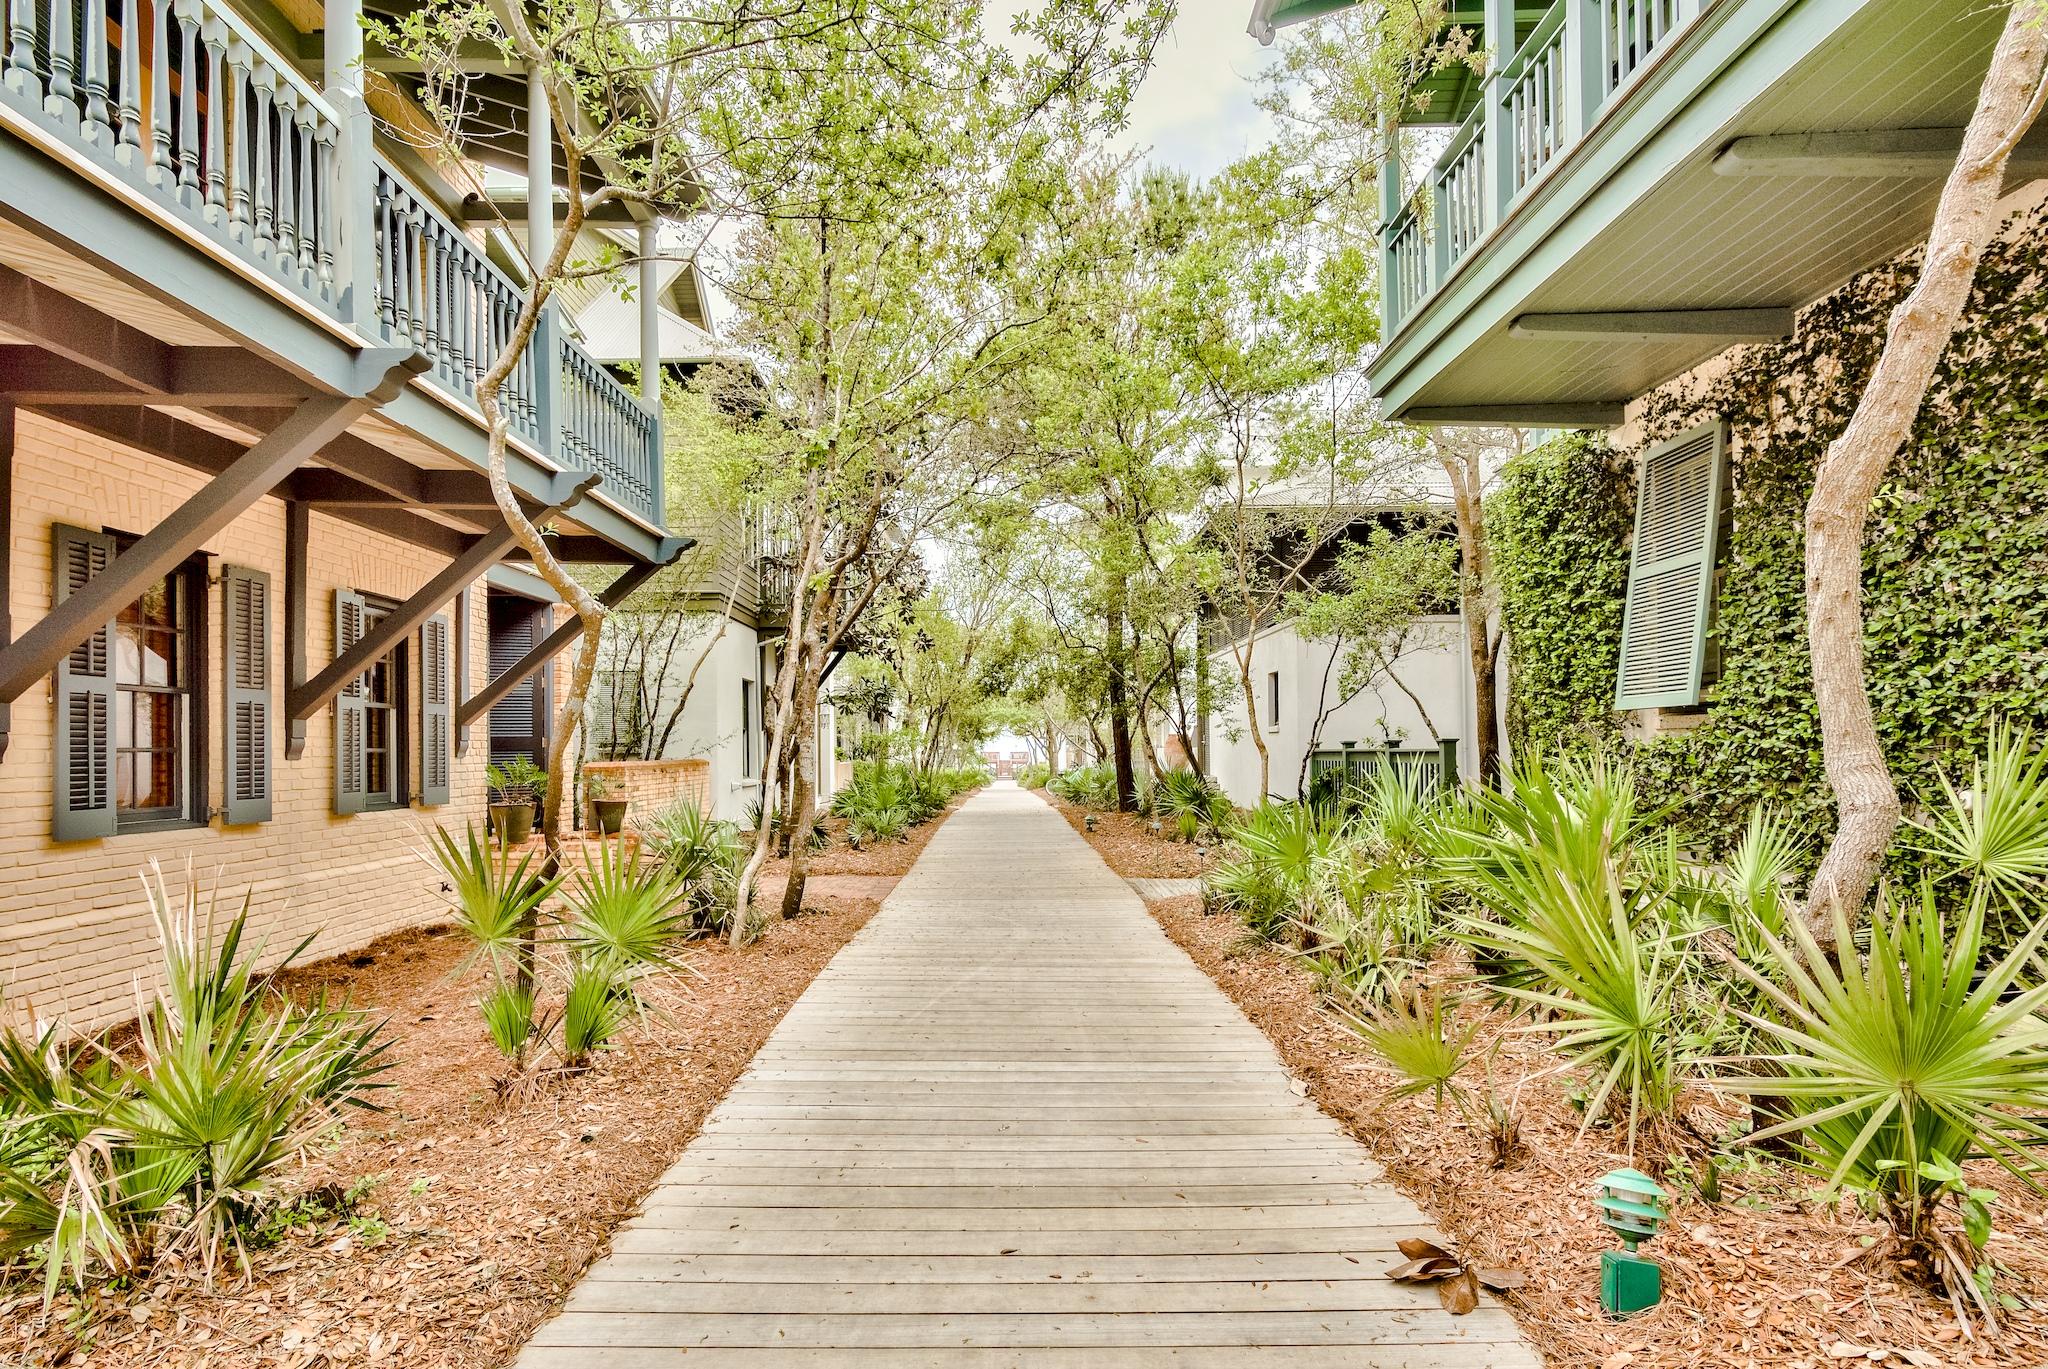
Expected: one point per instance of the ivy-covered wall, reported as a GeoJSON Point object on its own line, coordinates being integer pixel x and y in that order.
{"type": "Point", "coordinates": [1955, 571]}
{"type": "Point", "coordinates": [1559, 523]}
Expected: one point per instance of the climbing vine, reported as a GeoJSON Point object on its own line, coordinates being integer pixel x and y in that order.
{"type": "Point", "coordinates": [1957, 548]}
{"type": "Point", "coordinates": [1560, 522]}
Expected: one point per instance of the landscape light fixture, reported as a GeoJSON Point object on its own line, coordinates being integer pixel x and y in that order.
{"type": "Point", "coordinates": [1632, 1206]}
{"type": "Point", "coordinates": [1088, 821]}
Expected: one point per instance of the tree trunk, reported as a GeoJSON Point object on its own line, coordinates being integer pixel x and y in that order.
{"type": "Point", "coordinates": [1866, 799]}
{"type": "Point", "coordinates": [1475, 601]}
{"type": "Point", "coordinates": [803, 795]}
{"type": "Point", "coordinates": [1120, 718]}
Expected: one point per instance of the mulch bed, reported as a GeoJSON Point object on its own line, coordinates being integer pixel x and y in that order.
{"type": "Point", "coordinates": [482, 1214]}
{"type": "Point", "coordinates": [1760, 1278]}
{"type": "Point", "coordinates": [885, 858]}
{"type": "Point", "coordinates": [1126, 843]}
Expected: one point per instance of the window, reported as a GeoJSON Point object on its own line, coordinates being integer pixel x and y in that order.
{"type": "Point", "coordinates": [746, 728]}
{"type": "Point", "coordinates": [157, 709]}
{"type": "Point", "coordinates": [1272, 698]}
{"type": "Point", "coordinates": [385, 735]}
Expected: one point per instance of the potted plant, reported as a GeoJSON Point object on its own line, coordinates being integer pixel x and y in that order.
{"type": "Point", "coordinates": [607, 809]}
{"type": "Point", "coordinates": [514, 784]}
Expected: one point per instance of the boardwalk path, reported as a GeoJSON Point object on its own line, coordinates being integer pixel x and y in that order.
{"type": "Point", "coordinates": [1012, 1124]}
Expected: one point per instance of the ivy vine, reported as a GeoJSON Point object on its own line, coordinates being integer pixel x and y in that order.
{"type": "Point", "coordinates": [1559, 524]}
{"type": "Point", "coordinates": [1956, 552]}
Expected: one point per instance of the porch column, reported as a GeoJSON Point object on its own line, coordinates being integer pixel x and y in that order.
{"type": "Point", "coordinates": [540, 170]}
{"type": "Point", "coordinates": [1585, 66]}
{"type": "Point", "coordinates": [540, 241]}
{"type": "Point", "coordinates": [650, 317]}
{"type": "Point", "coordinates": [355, 168]}
{"type": "Point", "coordinates": [1498, 161]}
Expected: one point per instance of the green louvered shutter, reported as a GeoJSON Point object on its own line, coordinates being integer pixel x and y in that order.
{"type": "Point", "coordinates": [437, 713]}
{"type": "Point", "coordinates": [247, 710]}
{"type": "Point", "coordinates": [351, 739]}
{"type": "Point", "coordinates": [1671, 572]}
{"type": "Point", "coordinates": [85, 696]}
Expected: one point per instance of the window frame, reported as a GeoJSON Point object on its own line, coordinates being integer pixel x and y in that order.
{"type": "Point", "coordinates": [193, 584]}
{"type": "Point", "coordinates": [398, 665]}
{"type": "Point", "coordinates": [1272, 700]}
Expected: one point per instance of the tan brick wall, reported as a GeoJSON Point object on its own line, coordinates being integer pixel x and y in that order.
{"type": "Point", "coordinates": [74, 932]}
{"type": "Point", "coordinates": [650, 786]}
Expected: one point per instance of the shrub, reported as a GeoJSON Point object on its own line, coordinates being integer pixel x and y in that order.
{"type": "Point", "coordinates": [884, 799]}
{"type": "Point", "coordinates": [1034, 776]}
{"type": "Point", "coordinates": [1584, 926]}
{"type": "Point", "coordinates": [1906, 1060]}
{"type": "Point", "coordinates": [175, 1145]}
{"type": "Point", "coordinates": [1279, 863]}
{"type": "Point", "coordinates": [1086, 786]}
{"type": "Point", "coordinates": [705, 854]}
{"type": "Point", "coordinates": [1192, 802]}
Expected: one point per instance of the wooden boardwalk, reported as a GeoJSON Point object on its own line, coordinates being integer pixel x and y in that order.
{"type": "Point", "coordinates": [1012, 1124]}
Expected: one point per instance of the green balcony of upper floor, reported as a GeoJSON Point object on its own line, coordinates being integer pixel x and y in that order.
{"type": "Point", "coordinates": [1628, 187]}
{"type": "Point", "coordinates": [200, 137]}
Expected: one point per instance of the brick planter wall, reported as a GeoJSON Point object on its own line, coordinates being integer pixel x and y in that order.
{"type": "Point", "coordinates": [650, 786]}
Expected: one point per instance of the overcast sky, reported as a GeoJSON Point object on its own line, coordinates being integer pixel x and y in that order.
{"type": "Point", "coordinates": [1195, 108]}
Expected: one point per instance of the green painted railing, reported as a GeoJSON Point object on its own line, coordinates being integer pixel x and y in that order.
{"type": "Point", "coordinates": [1581, 56]}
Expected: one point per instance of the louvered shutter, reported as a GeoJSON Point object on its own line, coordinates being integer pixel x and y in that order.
{"type": "Point", "coordinates": [351, 759]}
{"type": "Point", "coordinates": [1671, 572]}
{"type": "Point", "coordinates": [437, 712]}
{"type": "Point", "coordinates": [85, 697]}
{"type": "Point", "coordinates": [247, 709]}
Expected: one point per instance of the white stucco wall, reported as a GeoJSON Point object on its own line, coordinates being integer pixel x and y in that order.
{"type": "Point", "coordinates": [1435, 668]}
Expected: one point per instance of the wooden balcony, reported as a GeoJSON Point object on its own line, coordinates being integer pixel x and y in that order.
{"type": "Point", "coordinates": [194, 127]}
{"type": "Point", "coordinates": [1581, 56]}
{"type": "Point", "coordinates": [1639, 184]}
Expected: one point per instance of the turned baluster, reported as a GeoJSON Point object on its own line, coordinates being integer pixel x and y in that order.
{"type": "Point", "coordinates": [263, 83]}
{"type": "Point", "coordinates": [330, 196]}
{"type": "Point", "coordinates": [159, 169]}
{"type": "Point", "coordinates": [214, 34]}
{"type": "Point", "coordinates": [243, 168]}
{"type": "Point", "coordinates": [187, 15]}
{"type": "Point", "coordinates": [387, 258]}
{"type": "Point", "coordinates": [93, 18]}
{"type": "Point", "coordinates": [59, 100]}
{"type": "Point", "coordinates": [285, 220]}
{"type": "Point", "coordinates": [128, 113]}
{"type": "Point", "coordinates": [309, 195]}
{"type": "Point", "coordinates": [21, 74]}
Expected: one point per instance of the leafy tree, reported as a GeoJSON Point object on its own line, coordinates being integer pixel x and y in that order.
{"type": "Point", "coordinates": [893, 285]}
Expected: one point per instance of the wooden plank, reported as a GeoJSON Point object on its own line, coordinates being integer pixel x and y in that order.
{"type": "Point", "coordinates": [934, 1331]}
{"type": "Point", "coordinates": [1012, 1124]}
{"type": "Point", "coordinates": [1497, 1356]}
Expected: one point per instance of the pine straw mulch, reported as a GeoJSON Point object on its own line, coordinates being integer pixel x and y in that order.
{"type": "Point", "coordinates": [886, 858]}
{"type": "Point", "coordinates": [1126, 843]}
{"type": "Point", "coordinates": [1761, 1278]}
{"type": "Point", "coordinates": [482, 1214]}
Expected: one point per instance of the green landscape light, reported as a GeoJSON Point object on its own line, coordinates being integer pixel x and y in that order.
{"type": "Point", "coordinates": [1088, 821]}
{"type": "Point", "coordinates": [1632, 1206]}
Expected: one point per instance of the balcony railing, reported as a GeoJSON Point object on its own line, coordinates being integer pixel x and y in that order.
{"type": "Point", "coordinates": [182, 102]}
{"type": "Point", "coordinates": [1579, 58]}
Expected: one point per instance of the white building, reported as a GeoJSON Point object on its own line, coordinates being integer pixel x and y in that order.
{"type": "Point", "coordinates": [1302, 713]}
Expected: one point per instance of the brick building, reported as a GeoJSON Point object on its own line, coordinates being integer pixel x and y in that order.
{"type": "Point", "coordinates": [258, 601]}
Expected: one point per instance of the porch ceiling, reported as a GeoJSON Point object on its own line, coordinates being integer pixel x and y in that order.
{"type": "Point", "coordinates": [1694, 237]}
